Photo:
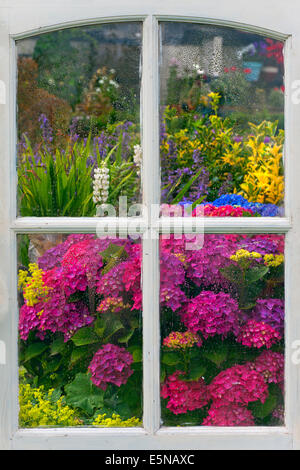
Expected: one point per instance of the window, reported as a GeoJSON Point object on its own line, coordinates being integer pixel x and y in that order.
{"type": "Point", "coordinates": [133, 322]}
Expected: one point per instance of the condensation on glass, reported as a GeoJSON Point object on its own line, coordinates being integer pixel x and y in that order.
{"type": "Point", "coordinates": [222, 120]}
{"type": "Point", "coordinates": [222, 330]}
{"type": "Point", "coordinates": [80, 331]}
{"type": "Point", "coordinates": [78, 102]}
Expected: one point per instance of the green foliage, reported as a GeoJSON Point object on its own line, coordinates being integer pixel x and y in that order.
{"type": "Point", "coordinates": [61, 184]}
{"type": "Point", "coordinates": [82, 394]}
{"type": "Point", "coordinates": [56, 186]}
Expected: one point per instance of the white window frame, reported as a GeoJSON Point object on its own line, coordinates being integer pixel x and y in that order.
{"type": "Point", "coordinates": [20, 19]}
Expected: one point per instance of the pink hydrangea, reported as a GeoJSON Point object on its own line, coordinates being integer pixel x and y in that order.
{"type": "Point", "coordinates": [271, 365]}
{"type": "Point", "coordinates": [110, 364]}
{"type": "Point", "coordinates": [184, 396]}
{"type": "Point", "coordinates": [230, 415]}
{"type": "Point", "coordinates": [82, 265]}
{"type": "Point", "coordinates": [238, 385]}
{"type": "Point", "coordinates": [212, 314]}
{"type": "Point", "coordinates": [257, 334]}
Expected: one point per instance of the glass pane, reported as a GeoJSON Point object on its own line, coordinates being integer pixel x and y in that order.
{"type": "Point", "coordinates": [80, 326]}
{"type": "Point", "coordinates": [78, 120]}
{"type": "Point", "coordinates": [222, 120]}
{"type": "Point", "coordinates": [222, 330]}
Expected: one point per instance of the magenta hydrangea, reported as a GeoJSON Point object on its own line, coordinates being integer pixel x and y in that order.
{"type": "Point", "coordinates": [212, 314]}
{"type": "Point", "coordinates": [110, 364]}
{"type": "Point", "coordinates": [270, 311]}
{"type": "Point", "coordinates": [55, 313]}
{"type": "Point", "coordinates": [29, 319]}
{"type": "Point", "coordinates": [184, 396]}
{"type": "Point", "coordinates": [204, 265]}
{"type": "Point", "coordinates": [52, 257]}
{"type": "Point", "coordinates": [257, 335]}
{"type": "Point", "coordinates": [238, 385]}
{"type": "Point", "coordinates": [111, 283]}
{"type": "Point", "coordinates": [271, 365]}
{"type": "Point", "coordinates": [230, 415]}
{"type": "Point", "coordinates": [172, 276]}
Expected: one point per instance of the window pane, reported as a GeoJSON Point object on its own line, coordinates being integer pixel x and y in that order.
{"type": "Point", "coordinates": [78, 120]}
{"type": "Point", "coordinates": [222, 330]}
{"type": "Point", "coordinates": [80, 326]}
{"type": "Point", "coordinates": [222, 120]}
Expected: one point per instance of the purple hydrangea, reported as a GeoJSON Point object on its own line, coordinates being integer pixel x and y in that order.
{"type": "Point", "coordinates": [111, 364]}
{"type": "Point", "coordinates": [271, 312]}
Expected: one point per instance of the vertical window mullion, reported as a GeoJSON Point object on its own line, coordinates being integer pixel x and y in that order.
{"type": "Point", "coordinates": [151, 197]}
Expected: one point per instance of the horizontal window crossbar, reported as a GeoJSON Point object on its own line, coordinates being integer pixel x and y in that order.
{"type": "Point", "coordinates": [162, 225]}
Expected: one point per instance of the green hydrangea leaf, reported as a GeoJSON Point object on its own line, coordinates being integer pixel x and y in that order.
{"type": "Point", "coordinates": [85, 336]}
{"type": "Point", "coordinates": [81, 393]}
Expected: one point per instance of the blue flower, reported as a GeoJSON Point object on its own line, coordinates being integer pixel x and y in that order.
{"type": "Point", "coordinates": [265, 210]}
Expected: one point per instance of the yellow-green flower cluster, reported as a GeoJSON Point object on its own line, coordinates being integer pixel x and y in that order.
{"type": "Point", "coordinates": [178, 340]}
{"type": "Point", "coordinates": [116, 421]}
{"type": "Point", "coordinates": [32, 282]}
{"type": "Point", "coordinates": [215, 98]}
{"type": "Point", "coordinates": [37, 409]}
{"type": "Point", "coordinates": [245, 255]}
{"type": "Point", "coordinates": [273, 260]}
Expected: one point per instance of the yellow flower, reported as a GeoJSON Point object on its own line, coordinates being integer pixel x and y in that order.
{"type": "Point", "coordinates": [116, 421]}
{"type": "Point", "coordinates": [34, 288]}
{"type": "Point", "coordinates": [38, 409]}
{"type": "Point", "coordinates": [244, 254]}
{"type": "Point", "coordinates": [273, 260]}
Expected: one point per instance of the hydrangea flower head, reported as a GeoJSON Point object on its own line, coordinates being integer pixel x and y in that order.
{"type": "Point", "coordinates": [238, 385]}
{"type": "Point", "coordinates": [270, 311]}
{"type": "Point", "coordinates": [257, 334]}
{"type": "Point", "coordinates": [111, 364]}
{"type": "Point", "coordinates": [203, 265]}
{"type": "Point", "coordinates": [178, 340]}
{"type": "Point", "coordinates": [212, 314]}
{"type": "Point", "coordinates": [112, 305]}
{"type": "Point", "coordinates": [271, 365]}
{"type": "Point", "coordinates": [230, 415]}
{"type": "Point", "coordinates": [184, 396]}
{"type": "Point", "coordinates": [54, 313]}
